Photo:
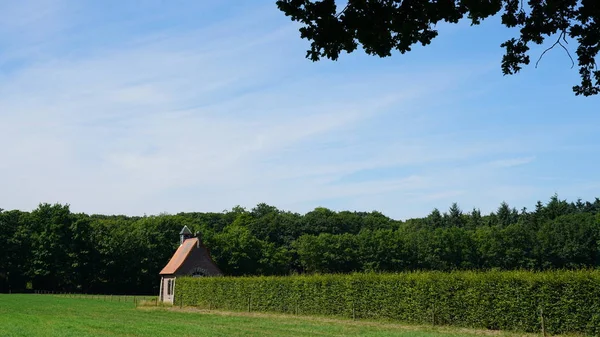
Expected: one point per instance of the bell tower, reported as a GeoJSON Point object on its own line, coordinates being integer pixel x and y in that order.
{"type": "Point", "coordinates": [185, 234]}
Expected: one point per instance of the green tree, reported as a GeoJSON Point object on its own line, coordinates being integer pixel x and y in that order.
{"type": "Point", "coordinates": [423, 245]}
{"type": "Point", "coordinates": [319, 220]}
{"type": "Point", "coordinates": [490, 247]}
{"type": "Point", "coordinates": [50, 235]}
{"type": "Point", "coordinates": [518, 244]}
{"type": "Point", "coordinates": [455, 216]}
{"type": "Point", "coordinates": [474, 220]}
{"type": "Point", "coordinates": [272, 225]}
{"type": "Point", "coordinates": [236, 251]}
{"type": "Point", "coordinates": [504, 248]}
{"type": "Point", "coordinates": [80, 254]}
{"type": "Point", "coordinates": [557, 207]}
{"type": "Point", "coordinates": [15, 252]}
{"type": "Point", "coordinates": [382, 250]}
{"type": "Point", "coordinates": [155, 239]}
{"type": "Point", "coordinates": [328, 253]}
{"type": "Point", "coordinates": [384, 26]}
{"type": "Point", "coordinates": [569, 241]}
{"type": "Point", "coordinates": [376, 220]}
{"type": "Point", "coordinates": [435, 219]}
{"type": "Point", "coordinates": [506, 215]}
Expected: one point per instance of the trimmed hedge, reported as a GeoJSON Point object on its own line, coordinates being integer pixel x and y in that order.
{"type": "Point", "coordinates": [569, 300]}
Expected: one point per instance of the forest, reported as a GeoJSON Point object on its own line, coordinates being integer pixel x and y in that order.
{"type": "Point", "coordinates": [54, 249]}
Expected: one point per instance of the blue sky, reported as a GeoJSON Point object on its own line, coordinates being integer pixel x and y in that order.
{"type": "Point", "coordinates": [168, 106]}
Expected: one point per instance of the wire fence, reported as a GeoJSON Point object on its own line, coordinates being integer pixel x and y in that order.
{"type": "Point", "coordinates": [137, 300]}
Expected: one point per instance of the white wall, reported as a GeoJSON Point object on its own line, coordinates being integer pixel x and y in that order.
{"type": "Point", "coordinates": [168, 289]}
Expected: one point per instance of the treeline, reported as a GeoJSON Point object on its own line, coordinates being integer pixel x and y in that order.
{"type": "Point", "coordinates": [52, 248]}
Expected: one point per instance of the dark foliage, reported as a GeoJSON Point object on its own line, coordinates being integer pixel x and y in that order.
{"type": "Point", "coordinates": [382, 26]}
{"type": "Point", "coordinates": [52, 248]}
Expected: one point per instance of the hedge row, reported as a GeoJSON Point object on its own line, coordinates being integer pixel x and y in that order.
{"type": "Point", "coordinates": [569, 301]}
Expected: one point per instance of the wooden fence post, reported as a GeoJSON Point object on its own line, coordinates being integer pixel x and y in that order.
{"type": "Point", "coordinates": [542, 322]}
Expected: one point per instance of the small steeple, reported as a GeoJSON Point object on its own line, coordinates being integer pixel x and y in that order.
{"type": "Point", "coordinates": [185, 233]}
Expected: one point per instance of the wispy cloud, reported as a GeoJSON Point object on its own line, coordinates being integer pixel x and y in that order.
{"type": "Point", "coordinates": [203, 117]}
{"type": "Point", "coordinates": [512, 161]}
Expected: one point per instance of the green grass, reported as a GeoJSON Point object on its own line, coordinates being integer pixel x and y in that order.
{"type": "Point", "coordinates": [48, 315]}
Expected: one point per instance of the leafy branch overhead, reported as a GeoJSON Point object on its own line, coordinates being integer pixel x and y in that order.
{"type": "Point", "coordinates": [382, 26]}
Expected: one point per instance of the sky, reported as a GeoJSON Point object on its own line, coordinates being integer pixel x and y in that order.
{"type": "Point", "coordinates": [145, 107]}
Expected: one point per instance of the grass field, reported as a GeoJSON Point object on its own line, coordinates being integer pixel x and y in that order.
{"type": "Point", "coordinates": [48, 315]}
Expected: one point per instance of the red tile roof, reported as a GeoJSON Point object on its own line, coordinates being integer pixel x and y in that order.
{"type": "Point", "coordinates": [179, 257]}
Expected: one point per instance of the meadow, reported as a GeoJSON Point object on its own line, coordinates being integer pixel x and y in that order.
{"type": "Point", "coordinates": [50, 315]}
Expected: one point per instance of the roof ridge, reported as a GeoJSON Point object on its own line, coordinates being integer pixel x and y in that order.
{"type": "Point", "coordinates": [180, 256]}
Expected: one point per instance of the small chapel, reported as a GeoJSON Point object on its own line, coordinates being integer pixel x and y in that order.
{"type": "Point", "coordinates": [192, 258]}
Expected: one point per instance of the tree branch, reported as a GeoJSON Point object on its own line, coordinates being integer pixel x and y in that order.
{"type": "Point", "coordinates": [561, 36]}
{"type": "Point", "coordinates": [343, 10]}
{"type": "Point", "coordinates": [568, 54]}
